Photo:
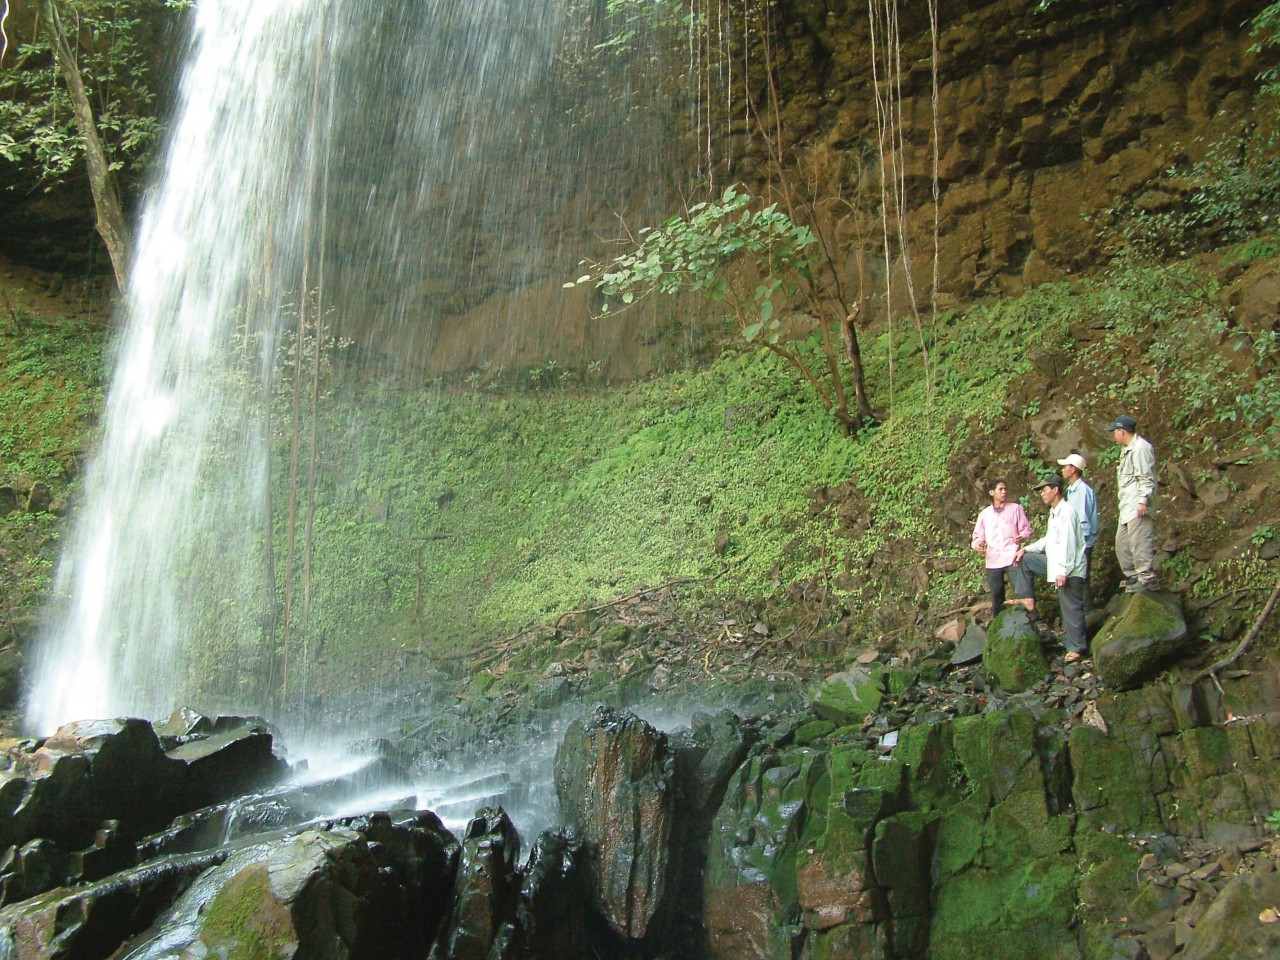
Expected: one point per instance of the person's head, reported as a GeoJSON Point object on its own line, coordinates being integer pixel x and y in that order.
{"type": "Point", "coordinates": [998, 491]}
{"type": "Point", "coordinates": [1050, 489]}
{"type": "Point", "coordinates": [1073, 467]}
{"type": "Point", "coordinates": [1123, 429]}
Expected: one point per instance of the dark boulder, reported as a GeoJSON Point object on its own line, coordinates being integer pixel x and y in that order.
{"type": "Point", "coordinates": [486, 892]}
{"type": "Point", "coordinates": [360, 887]}
{"type": "Point", "coordinates": [90, 922]}
{"type": "Point", "coordinates": [615, 779]}
{"type": "Point", "coordinates": [95, 788]}
{"type": "Point", "coordinates": [552, 911]}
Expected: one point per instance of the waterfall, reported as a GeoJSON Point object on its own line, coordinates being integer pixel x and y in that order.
{"type": "Point", "coordinates": [333, 171]}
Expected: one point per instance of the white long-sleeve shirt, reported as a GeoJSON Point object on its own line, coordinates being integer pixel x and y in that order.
{"type": "Point", "coordinates": [1062, 544]}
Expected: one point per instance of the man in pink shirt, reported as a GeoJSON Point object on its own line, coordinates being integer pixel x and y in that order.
{"type": "Point", "coordinates": [999, 530]}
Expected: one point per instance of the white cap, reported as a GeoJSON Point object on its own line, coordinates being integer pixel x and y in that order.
{"type": "Point", "coordinates": [1074, 460]}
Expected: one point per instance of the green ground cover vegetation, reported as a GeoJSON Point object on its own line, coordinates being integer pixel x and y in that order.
{"type": "Point", "coordinates": [51, 388]}
{"type": "Point", "coordinates": [475, 510]}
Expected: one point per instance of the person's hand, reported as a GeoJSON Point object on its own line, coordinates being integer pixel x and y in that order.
{"type": "Point", "coordinates": [1060, 582]}
{"type": "Point", "coordinates": [981, 547]}
{"type": "Point", "coordinates": [1019, 555]}
{"type": "Point", "coordinates": [1142, 509]}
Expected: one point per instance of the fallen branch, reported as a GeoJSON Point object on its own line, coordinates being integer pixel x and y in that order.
{"type": "Point", "coordinates": [1243, 645]}
{"type": "Point", "coordinates": [636, 596]}
{"type": "Point", "coordinates": [505, 645]}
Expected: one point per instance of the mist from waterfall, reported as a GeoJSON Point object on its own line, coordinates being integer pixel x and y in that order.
{"type": "Point", "coordinates": [334, 172]}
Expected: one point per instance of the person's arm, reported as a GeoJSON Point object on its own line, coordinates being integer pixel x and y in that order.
{"type": "Point", "coordinates": [1023, 525]}
{"type": "Point", "coordinates": [1090, 519]}
{"type": "Point", "coordinates": [979, 539]}
{"type": "Point", "coordinates": [1144, 470]}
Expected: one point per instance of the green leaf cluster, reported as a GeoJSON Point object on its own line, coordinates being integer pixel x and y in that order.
{"type": "Point", "coordinates": [700, 251]}
{"type": "Point", "coordinates": [117, 43]}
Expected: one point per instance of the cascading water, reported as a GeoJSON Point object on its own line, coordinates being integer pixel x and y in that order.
{"type": "Point", "coordinates": [334, 170]}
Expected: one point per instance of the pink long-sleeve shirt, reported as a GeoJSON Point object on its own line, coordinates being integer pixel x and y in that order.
{"type": "Point", "coordinates": [1001, 530]}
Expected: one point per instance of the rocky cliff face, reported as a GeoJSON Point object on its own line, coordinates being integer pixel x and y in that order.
{"type": "Point", "coordinates": [1042, 119]}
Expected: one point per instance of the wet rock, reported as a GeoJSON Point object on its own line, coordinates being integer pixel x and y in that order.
{"type": "Point", "coordinates": [182, 724]}
{"type": "Point", "coordinates": [214, 825]}
{"type": "Point", "coordinates": [850, 696]}
{"type": "Point", "coordinates": [485, 891]}
{"type": "Point", "coordinates": [707, 757]}
{"type": "Point", "coordinates": [95, 787]}
{"type": "Point", "coordinates": [1143, 636]}
{"type": "Point", "coordinates": [749, 893]}
{"type": "Point", "coordinates": [87, 773]}
{"type": "Point", "coordinates": [1013, 656]}
{"type": "Point", "coordinates": [361, 887]}
{"type": "Point", "coordinates": [37, 867]}
{"type": "Point", "coordinates": [615, 779]}
{"type": "Point", "coordinates": [552, 912]}
{"type": "Point", "coordinates": [92, 921]}
{"type": "Point", "coordinates": [236, 759]}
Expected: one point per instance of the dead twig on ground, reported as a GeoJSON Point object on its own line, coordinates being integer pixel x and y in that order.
{"type": "Point", "coordinates": [505, 645]}
{"type": "Point", "coordinates": [637, 595]}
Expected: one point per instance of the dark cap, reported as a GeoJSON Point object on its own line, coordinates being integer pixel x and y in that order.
{"type": "Point", "coordinates": [1124, 422]}
{"type": "Point", "coordinates": [1053, 480]}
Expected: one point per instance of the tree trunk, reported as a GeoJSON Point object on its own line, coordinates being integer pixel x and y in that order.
{"type": "Point", "coordinates": [112, 226]}
{"type": "Point", "coordinates": [849, 334]}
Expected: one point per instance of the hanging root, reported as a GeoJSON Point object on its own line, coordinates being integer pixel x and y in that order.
{"type": "Point", "coordinates": [1243, 645]}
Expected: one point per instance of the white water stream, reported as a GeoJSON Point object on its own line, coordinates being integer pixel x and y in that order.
{"type": "Point", "coordinates": [331, 148]}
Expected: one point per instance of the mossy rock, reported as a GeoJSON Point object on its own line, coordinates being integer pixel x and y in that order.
{"type": "Point", "coordinates": [1232, 928]}
{"type": "Point", "coordinates": [999, 914]}
{"type": "Point", "coordinates": [1013, 656]}
{"type": "Point", "coordinates": [246, 921]}
{"type": "Point", "coordinates": [1106, 790]}
{"type": "Point", "coordinates": [813, 730]}
{"type": "Point", "coordinates": [1108, 883]}
{"type": "Point", "coordinates": [1147, 632]}
{"type": "Point", "coordinates": [850, 696]}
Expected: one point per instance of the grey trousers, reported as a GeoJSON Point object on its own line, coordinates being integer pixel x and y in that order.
{"type": "Point", "coordinates": [1136, 548]}
{"type": "Point", "coordinates": [1071, 600]}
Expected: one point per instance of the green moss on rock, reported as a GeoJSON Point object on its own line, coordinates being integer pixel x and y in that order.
{"type": "Point", "coordinates": [245, 921]}
{"type": "Point", "coordinates": [849, 696]}
{"type": "Point", "coordinates": [1013, 656]}
{"type": "Point", "coordinates": [1132, 646]}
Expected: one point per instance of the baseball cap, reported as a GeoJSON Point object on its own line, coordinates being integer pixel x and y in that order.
{"type": "Point", "coordinates": [1075, 460]}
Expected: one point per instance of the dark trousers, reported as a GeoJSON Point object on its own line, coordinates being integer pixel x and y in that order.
{"type": "Point", "coordinates": [995, 583]}
{"type": "Point", "coordinates": [1072, 600]}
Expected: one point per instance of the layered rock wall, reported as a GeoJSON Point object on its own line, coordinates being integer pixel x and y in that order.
{"type": "Point", "coordinates": [1041, 121]}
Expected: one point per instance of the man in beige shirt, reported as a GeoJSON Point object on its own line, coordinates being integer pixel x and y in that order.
{"type": "Point", "coordinates": [1136, 501]}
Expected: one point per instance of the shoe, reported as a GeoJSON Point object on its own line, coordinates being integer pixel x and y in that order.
{"type": "Point", "coordinates": [1139, 586]}
{"type": "Point", "coordinates": [1073, 657]}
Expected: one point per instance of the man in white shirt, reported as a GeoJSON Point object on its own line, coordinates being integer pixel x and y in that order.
{"type": "Point", "coordinates": [1136, 500]}
{"type": "Point", "coordinates": [1059, 556]}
